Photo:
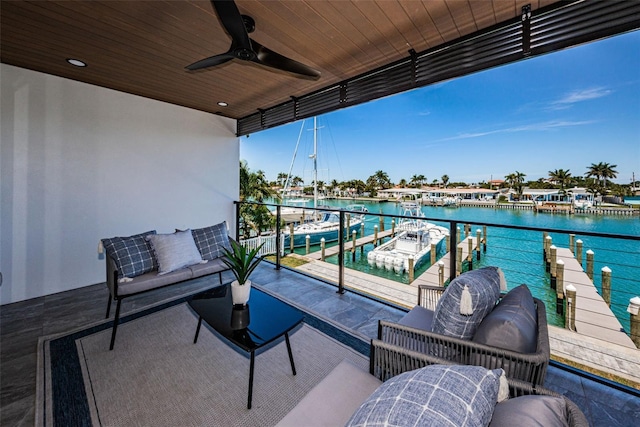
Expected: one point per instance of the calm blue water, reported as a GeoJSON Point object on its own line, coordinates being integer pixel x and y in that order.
{"type": "Point", "coordinates": [519, 253]}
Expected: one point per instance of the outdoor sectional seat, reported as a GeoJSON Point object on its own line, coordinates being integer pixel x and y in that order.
{"type": "Point", "coordinates": [507, 331]}
{"type": "Point", "coordinates": [147, 261]}
{"type": "Point", "coordinates": [350, 396]}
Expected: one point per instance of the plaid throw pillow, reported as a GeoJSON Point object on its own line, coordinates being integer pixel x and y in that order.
{"type": "Point", "coordinates": [211, 240]}
{"type": "Point", "coordinates": [483, 286]}
{"type": "Point", "coordinates": [436, 395]}
{"type": "Point", "coordinates": [133, 255]}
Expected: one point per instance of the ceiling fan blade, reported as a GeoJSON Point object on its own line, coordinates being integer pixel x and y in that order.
{"type": "Point", "coordinates": [212, 61]}
{"type": "Point", "coordinates": [232, 21]}
{"type": "Point", "coordinates": [273, 59]}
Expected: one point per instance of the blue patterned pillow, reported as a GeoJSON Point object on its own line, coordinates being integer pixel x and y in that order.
{"type": "Point", "coordinates": [133, 255]}
{"type": "Point", "coordinates": [437, 395]}
{"type": "Point", "coordinates": [483, 287]}
{"type": "Point", "coordinates": [211, 240]}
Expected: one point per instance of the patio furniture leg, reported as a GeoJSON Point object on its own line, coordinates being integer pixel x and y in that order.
{"type": "Point", "coordinates": [108, 307]}
{"type": "Point", "coordinates": [115, 325]}
{"type": "Point", "coordinates": [253, 358]}
{"type": "Point", "coordinates": [293, 366]}
{"type": "Point", "coordinates": [195, 339]}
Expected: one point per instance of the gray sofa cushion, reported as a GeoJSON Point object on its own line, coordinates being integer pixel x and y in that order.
{"type": "Point", "coordinates": [211, 240]}
{"type": "Point", "coordinates": [512, 325]}
{"type": "Point", "coordinates": [419, 317]}
{"type": "Point", "coordinates": [437, 395]}
{"type": "Point", "coordinates": [174, 251]}
{"type": "Point", "coordinates": [483, 286]}
{"type": "Point", "coordinates": [213, 266]}
{"type": "Point", "coordinates": [153, 280]}
{"type": "Point", "coordinates": [530, 411]}
{"type": "Point", "coordinates": [332, 401]}
{"type": "Point", "coordinates": [133, 254]}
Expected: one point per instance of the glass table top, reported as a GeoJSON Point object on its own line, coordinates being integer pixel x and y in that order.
{"type": "Point", "coordinates": [262, 320]}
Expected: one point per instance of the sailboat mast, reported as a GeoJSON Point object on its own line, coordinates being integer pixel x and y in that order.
{"type": "Point", "coordinates": [315, 163]}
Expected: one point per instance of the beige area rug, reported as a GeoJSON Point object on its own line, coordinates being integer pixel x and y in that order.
{"type": "Point", "coordinates": [156, 376]}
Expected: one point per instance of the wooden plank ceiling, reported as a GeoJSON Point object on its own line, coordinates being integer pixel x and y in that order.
{"type": "Point", "coordinates": [142, 47]}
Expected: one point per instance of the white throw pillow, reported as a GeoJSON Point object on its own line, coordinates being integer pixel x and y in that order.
{"type": "Point", "coordinates": [174, 251]}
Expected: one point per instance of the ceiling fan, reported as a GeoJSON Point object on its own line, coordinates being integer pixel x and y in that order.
{"type": "Point", "coordinates": [246, 49]}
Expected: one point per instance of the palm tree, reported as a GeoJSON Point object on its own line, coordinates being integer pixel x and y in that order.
{"type": "Point", "coordinates": [382, 180]}
{"type": "Point", "coordinates": [403, 183]}
{"type": "Point", "coordinates": [515, 182]}
{"type": "Point", "coordinates": [562, 177]}
{"type": "Point", "coordinates": [601, 172]}
{"type": "Point", "coordinates": [254, 187]}
{"type": "Point", "coordinates": [445, 180]}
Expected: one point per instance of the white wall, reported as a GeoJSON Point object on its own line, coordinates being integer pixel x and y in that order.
{"type": "Point", "coordinates": [79, 163]}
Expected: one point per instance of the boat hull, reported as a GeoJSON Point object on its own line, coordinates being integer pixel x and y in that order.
{"type": "Point", "coordinates": [315, 237]}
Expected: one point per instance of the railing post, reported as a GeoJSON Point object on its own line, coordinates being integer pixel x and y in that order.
{"type": "Point", "coordinates": [454, 232]}
{"type": "Point", "coordinates": [570, 317]}
{"type": "Point", "coordinates": [606, 285]}
{"type": "Point", "coordinates": [354, 236]}
{"type": "Point", "coordinates": [341, 254]}
{"type": "Point", "coordinates": [278, 236]}
{"type": "Point", "coordinates": [634, 319]}
{"type": "Point", "coordinates": [484, 233]}
{"type": "Point", "coordinates": [590, 264]}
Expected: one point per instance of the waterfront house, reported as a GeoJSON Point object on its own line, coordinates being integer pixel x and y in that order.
{"type": "Point", "coordinates": [105, 133]}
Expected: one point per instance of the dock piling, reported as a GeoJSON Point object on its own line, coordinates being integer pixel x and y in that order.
{"type": "Point", "coordinates": [458, 260]}
{"type": "Point", "coordinates": [441, 273]}
{"type": "Point", "coordinates": [590, 264]}
{"type": "Point", "coordinates": [553, 253]}
{"type": "Point", "coordinates": [375, 235]}
{"type": "Point", "coordinates": [354, 237]}
{"type": "Point", "coordinates": [434, 253]}
{"type": "Point", "coordinates": [579, 251]}
{"type": "Point", "coordinates": [547, 251]}
{"type": "Point", "coordinates": [544, 245]}
{"type": "Point", "coordinates": [570, 317]}
{"type": "Point", "coordinates": [393, 228]}
{"type": "Point", "coordinates": [606, 285]}
{"type": "Point", "coordinates": [559, 286]}
{"type": "Point", "coordinates": [291, 242]}
{"type": "Point", "coordinates": [458, 236]}
{"type": "Point", "coordinates": [307, 244]}
{"type": "Point", "coordinates": [634, 319]}
{"type": "Point", "coordinates": [381, 222]}
{"type": "Point", "coordinates": [478, 240]}
{"type": "Point", "coordinates": [411, 271]}
{"type": "Point", "coordinates": [322, 248]}
{"type": "Point", "coordinates": [572, 243]}
{"type": "Point", "coordinates": [484, 234]}
{"type": "Point", "coordinates": [470, 254]}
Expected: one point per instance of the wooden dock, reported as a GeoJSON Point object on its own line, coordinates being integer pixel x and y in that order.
{"type": "Point", "coordinates": [348, 245]}
{"type": "Point", "coordinates": [431, 276]}
{"type": "Point", "coordinates": [594, 317]}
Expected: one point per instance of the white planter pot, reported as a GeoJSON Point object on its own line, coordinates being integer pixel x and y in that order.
{"type": "Point", "coordinates": [240, 293]}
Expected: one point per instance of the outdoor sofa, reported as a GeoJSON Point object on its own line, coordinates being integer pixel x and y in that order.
{"type": "Point", "coordinates": [507, 331]}
{"type": "Point", "coordinates": [148, 261]}
{"type": "Point", "coordinates": [350, 396]}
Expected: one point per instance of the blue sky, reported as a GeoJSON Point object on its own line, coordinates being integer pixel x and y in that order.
{"type": "Point", "coordinates": [562, 110]}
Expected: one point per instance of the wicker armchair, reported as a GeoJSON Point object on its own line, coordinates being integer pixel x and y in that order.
{"type": "Point", "coordinates": [388, 360]}
{"type": "Point", "coordinates": [530, 368]}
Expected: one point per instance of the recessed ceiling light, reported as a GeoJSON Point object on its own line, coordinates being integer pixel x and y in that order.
{"type": "Point", "coordinates": [76, 62]}
{"type": "Point", "coordinates": [222, 104]}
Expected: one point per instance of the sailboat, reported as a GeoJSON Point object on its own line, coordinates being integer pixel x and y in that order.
{"type": "Point", "coordinates": [327, 227]}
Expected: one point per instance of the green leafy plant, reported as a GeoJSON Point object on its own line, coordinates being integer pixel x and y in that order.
{"type": "Point", "coordinates": [240, 261]}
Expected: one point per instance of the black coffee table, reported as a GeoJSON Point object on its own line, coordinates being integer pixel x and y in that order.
{"type": "Point", "coordinates": [263, 320]}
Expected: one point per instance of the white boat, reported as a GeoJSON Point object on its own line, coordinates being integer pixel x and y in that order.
{"type": "Point", "coordinates": [296, 211]}
{"type": "Point", "coordinates": [582, 204]}
{"type": "Point", "coordinates": [413, 240]}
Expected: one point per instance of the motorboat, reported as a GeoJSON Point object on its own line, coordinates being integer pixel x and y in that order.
{"type": "Point", "coordinates": [414, 239]}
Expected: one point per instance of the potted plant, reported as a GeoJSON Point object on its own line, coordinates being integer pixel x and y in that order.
{"type": "Point", "coordinates": [242, 263]}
